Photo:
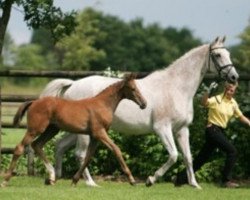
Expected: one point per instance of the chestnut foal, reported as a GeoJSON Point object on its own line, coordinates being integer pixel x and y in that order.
{"type": "Point", "coordinates": [92, 116]}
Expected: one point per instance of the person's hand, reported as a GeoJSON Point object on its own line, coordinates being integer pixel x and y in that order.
{"type": "Point", "coordinates": [212, 86]}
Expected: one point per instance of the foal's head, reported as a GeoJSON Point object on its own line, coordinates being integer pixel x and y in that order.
{"type": "Point", "coordinates": [130, 91]}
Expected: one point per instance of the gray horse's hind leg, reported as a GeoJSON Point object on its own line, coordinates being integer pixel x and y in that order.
{"type": "Point", "coordinates": [62, 145]}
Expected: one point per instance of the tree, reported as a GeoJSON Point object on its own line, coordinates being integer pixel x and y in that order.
{"type": "Point", "coordinates": [78, 49]}
{"type": "Point", "coordinates": [29, 57]}
{"type": "Point", "coordinates": [242, 51]}
{"type": "Point", "coordinates": [8, 50]}
{"type": "Point", "coordinates": [100, 41]}
{"type": "Point", "coordinates": [38, 13]}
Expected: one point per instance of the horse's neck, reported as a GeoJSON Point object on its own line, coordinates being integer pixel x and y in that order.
{"type": "Point", "coordinates": [186, 73]}
{"type": "Point", "coordinates": [111, 96]}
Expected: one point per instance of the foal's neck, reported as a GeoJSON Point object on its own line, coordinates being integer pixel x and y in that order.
{"type": "Point", "coordinates": [112, 95]}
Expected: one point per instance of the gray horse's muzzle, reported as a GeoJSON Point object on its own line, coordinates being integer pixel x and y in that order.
{"type": "Point", "coordinates": [232, 76]}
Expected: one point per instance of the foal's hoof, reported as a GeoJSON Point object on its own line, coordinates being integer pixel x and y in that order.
{"type": "Point", "coordinates": [133, 183]}
{"type": "Point", "coordinates": [74, 181]}
{"type": "Point", "coordinates": [149, 181]}
{"type": "Point", "coordinates": [49, 182]}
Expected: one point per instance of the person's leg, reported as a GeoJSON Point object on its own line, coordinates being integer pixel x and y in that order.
{"type": "Point", "coordinates": [225, 145]}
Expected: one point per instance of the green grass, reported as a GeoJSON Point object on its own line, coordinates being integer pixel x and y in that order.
{"type": "Point", "coordinates": [10, 137]}
{"type": "Point", "coordinates": [33, 188]}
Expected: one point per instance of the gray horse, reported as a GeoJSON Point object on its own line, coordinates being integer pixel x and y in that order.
{"type": "Point", "coordinates": [169, 93]}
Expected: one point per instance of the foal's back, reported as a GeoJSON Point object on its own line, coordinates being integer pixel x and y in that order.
{"type": "Point", "coordinates": [69, 115]}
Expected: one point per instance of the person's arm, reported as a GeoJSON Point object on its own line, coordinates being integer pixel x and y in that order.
{"type": "Point", "coordinates": [206, 95]}
{"type": "Point", "coordinates": [204, 99]}
{"type": "Point", "coordinates": [244, 119]}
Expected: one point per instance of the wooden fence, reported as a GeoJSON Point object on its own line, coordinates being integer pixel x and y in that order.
{"type": "Point", "coordinates": [56, 74]}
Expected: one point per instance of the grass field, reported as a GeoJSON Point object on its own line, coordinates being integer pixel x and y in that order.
{"type": "Point", "coordinates": [22, 188]}
{"type": "Point", "coordinates": [30, 188]}
{"type": "Point", "coordinates": [11, 137]}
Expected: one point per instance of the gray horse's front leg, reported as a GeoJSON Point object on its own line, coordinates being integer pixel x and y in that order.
{"type": "Point", "coordinates": [166, 135]}
{"type": "Point", "coordinates": [183, 139]}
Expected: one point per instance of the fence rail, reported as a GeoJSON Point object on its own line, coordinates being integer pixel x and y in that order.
{"type": "Point", "coordinates": [57, 74]}
{"type": "Point", "coordinates": [82, 74]}
{"type": "Point", "coordinates": [17, 98]}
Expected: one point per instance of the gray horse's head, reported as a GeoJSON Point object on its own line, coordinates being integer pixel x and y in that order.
{"type": "Point", "coordinates": [220, 57]}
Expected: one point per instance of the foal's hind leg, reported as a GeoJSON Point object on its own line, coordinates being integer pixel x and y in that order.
{"type": "Point", "coordinates": [27, 139]}
{"type": "Point", "coordinates": [183, 139]}
{"type": "Point", "coordinates": [38, 144]}
{"type": "Point", "coordinates": [104, 138]}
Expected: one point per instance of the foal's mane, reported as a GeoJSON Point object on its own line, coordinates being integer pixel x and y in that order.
{"type": "Point", "coordinates": [113, 88]}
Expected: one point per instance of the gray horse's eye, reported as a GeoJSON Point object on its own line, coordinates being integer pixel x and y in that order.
{"type": "Point", "coordinates": [217, 55]}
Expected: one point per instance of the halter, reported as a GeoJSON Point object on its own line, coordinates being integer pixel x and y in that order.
{"type": "Point", "coordinates": [216, 64]}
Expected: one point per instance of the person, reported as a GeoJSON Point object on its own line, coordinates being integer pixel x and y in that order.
{"type": "Point", "coordinates": [221, 108]}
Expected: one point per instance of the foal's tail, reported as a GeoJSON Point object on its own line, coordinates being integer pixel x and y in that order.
{"type": "Point", "coordinates": [20, 113]}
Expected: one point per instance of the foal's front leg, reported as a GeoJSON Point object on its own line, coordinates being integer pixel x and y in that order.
{"type": "Point", "coordinates": [104, 138]}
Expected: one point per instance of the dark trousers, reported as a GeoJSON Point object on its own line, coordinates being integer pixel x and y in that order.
{"type": "Point", "coordinates": [214, 138]}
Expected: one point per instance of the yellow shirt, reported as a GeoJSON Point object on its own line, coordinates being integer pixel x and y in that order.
{"type": "Point", "coordinates": [221, 110]}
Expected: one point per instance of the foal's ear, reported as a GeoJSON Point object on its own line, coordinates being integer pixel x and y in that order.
{"type": "Point", "coordinates": [129, 77]}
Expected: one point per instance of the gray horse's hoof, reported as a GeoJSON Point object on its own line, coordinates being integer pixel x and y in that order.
{"type": "Point", "coordinates": [49, 182]}
{"type": "Point", "coordinates": [4, 184]}
{"type": "Point", "coordinates": [149, 182]}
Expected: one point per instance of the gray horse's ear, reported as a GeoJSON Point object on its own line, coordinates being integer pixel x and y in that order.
{"type": "Point", "coordinates": [215, 41]}
{"type": "Point", "coordinates": [223, 39]}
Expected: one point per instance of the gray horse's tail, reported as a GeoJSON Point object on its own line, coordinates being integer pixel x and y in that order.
{"type": "Point", "coordinates": [20, 113]}
{"type": "Point", "coordinates": [56, 88]}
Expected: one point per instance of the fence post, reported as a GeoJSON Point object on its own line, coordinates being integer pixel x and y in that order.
{"type": "Point", "coordinates": [0, 128]}
{"type": "Point", "coordinates": [249, 86]}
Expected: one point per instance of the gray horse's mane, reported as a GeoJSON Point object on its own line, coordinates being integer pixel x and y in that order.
{"type": "Point", "coordinates": [183, 58]}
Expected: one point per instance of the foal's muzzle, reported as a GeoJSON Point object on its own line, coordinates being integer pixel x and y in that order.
{"type": "Point", "coordinates": [143, 105]}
